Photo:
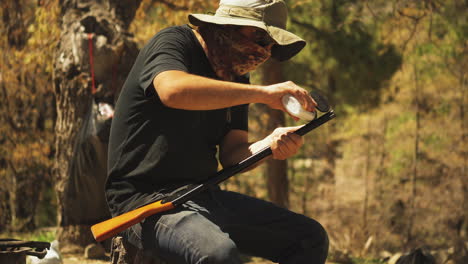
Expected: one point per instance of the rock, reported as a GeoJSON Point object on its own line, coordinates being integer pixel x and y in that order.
{"type": "Point", "coordinates": [94, 251]}
{"type": "Point", "coordinates": [385, 254]}
{"type": "Point", "coordinates": [52, 257]}
{"type": "Point", "coordinates": [451, 250]}
{"type": "Point", "coordinates": [394, 258]}
{"type": "Point", "coordinates": [417, 256]}
{"type": "Point", "coordinates": [341, 257]}
{"type": "Point", "coordinates": [441, 256]}
{"type": "Point", "coordinates": [123, 252]}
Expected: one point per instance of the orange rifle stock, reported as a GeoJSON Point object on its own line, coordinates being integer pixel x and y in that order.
{"type": "Point", "coordinates": [113, 226]}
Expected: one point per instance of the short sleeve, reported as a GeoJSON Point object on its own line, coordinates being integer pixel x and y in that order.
{"type": "Point", "coordinates": [166, 51]}
{"type": "Point", "coordinates": [239, 117]}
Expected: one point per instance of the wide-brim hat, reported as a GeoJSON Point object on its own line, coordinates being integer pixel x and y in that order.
{"type": "Point", "coordinates": [269, 15]}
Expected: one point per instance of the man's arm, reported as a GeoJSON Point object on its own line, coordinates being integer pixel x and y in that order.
{"type": "Point", "coordinates": [178, 89]}
{"type": "Point", "coordinates": [235, 147]}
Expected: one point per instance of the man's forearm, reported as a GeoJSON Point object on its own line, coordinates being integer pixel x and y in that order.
{"type": "Point", "coordinates": [243, 151]}
{"type": "Point", "coordinates": [182, 90]}
{"type": "Point", "coordinates": [283, 142]}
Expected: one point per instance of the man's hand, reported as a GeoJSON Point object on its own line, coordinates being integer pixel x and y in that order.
{"type": "Point", "coordinates": [277, 91]}
{"type": "Point", "coordinates": [284, 143]}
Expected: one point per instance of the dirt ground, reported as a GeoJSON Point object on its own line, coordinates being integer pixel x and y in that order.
{"type": "Point", "coordinates": [71, 259]}
{"type": "Point", "coordinates": [76, 259]}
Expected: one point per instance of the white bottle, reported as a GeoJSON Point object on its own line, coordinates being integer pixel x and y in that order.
{"type": "Point", "coordinates": [294, 108]}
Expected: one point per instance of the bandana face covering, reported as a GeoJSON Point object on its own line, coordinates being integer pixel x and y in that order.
{"type": "Point", "coordinates": [230, 53]}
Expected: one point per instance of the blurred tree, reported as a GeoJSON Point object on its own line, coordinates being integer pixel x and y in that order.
{"type": "Point", "coordinates": [344, 58]}
{"type": "Point", "coordinates": [344, 55]}
{"type": "Point", "coordinates": [454, 49]}
{"type": "Point", "coordinates": [14, 23]}
{"type": "Point", "coordinates": [424, 180]}
{"type": "Point", "coordinates": [27, 110]}
{"type": "Point", "coordinates": [276, 170]}
{"type": "Point", "coordinates": [94, 55]}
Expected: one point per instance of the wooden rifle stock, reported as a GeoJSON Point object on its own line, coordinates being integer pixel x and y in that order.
{"type": "Point", "coordinates": [113, 226]}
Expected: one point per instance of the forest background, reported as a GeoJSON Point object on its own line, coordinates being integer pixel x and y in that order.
{"type": "Point", "coordinates": [388, 174]}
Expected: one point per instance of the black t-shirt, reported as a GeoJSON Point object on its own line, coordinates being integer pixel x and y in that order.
{"type": "Point", "coordinates": [154, 148]}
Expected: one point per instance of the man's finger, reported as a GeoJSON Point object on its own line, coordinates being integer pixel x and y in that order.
{"type": "Point", "coordinates": [296, 139]}
{"type": "Point", "coordinates": [287, 144]}
{"type": "Point", "coordinates": [311, 104]}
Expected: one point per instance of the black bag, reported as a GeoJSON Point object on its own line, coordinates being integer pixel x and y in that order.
{"type": "Point", "coordinates": [88, 169]}
{"type": "Point", "coordinates": [416, 256]}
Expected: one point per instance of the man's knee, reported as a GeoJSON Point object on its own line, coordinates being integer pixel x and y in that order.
{"type": "Point", "coordinates": [312, 247]}
{"type": "Point", "coordinates": [224, 251]}
{"type": "Point", "coordinates": [316, 244]}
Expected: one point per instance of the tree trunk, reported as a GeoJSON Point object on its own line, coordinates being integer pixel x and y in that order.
{"type": "Point", "coordinates": [331, 145]}
{"type": "Point", "coordinates": [367, 179]}
{"type": "Point", "coordinates": [414, 175]}
{"type": "Point", "coordinates": [462, 232]}
{"type": "Point", "coordinates": [276, 170]}
{"type": "Point", "coordinates": [15, 25]}
{"type": "Point", "coordinates": [94, 56]}
{"type": "Point", "coordinates": [329, 176]}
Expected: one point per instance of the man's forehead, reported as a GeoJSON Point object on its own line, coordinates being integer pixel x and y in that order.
{"type": "Point", "coordinates": [248, 29]}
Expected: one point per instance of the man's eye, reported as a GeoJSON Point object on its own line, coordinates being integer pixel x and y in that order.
{"type": "Point", "coordinates": [261, 38]}
{"type": "Point", "coordinates": [259, 35]}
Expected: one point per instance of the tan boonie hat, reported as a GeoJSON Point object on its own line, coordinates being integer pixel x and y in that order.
{"type": "Point", "coordinates": [269, 15]}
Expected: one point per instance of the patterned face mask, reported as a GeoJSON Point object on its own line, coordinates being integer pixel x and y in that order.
{"type": "Point", "coordinates": [231, 53]}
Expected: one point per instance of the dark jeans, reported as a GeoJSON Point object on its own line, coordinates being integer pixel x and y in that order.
{"type": "Point", "coordinates": [217, 225]}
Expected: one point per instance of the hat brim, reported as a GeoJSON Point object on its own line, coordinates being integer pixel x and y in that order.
{"type": "Point", "coordinates": [287, 44]}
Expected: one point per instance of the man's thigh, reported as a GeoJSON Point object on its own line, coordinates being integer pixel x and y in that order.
{"type": "Point", "coordinates": [185, 235]}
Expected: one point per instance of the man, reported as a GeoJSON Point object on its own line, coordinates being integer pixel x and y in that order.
{"type": "Point", "coordinates": [186, 95]}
